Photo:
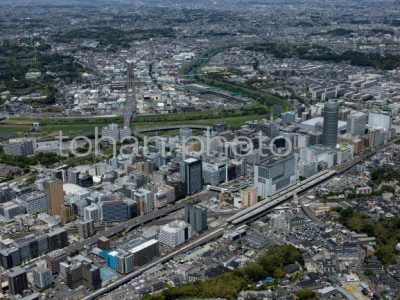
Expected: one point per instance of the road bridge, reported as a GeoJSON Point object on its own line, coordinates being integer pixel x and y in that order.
{"type": "Point", "coordinates": [263, 207]}
{"type": "Point", "coordinates": [309, 213]}
{"type": "Point", "coordinates": [172, 127]}
{"type": "Point", "coordinates": [244, 216]}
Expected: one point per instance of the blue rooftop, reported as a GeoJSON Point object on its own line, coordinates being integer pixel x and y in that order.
{"type": "Point", "coordinates": [269, 280]}
{"type": "Point", "coordinates": [317, 148]}
{"type": "Point", "coordinates": [107, 274]}
{"type": "Point", "coordinates": [104, 254]}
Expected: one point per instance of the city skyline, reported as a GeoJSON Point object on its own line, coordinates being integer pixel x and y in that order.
{"type": "Point", "coordinates": [208, 149]}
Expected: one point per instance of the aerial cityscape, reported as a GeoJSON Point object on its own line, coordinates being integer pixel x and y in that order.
{"type": "Point", "coordinates": [199, 149]}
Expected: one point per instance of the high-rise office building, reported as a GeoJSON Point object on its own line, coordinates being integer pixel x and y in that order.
{"type": "Point", "coordinates": [55, 196]}
{"type": "Point", "coordinates": [376, 137]}
{"type": "Point", "coordinates": [269, 129]}
{"type": "Point", "coordinates": [356, 123]}
{"type": "Point", "coordinates": [249, 196]}
{"type": "Point", "coordinates": [91, 276]}
{"type": "Point", "coordinates": [42, 277]}
{"type": "Point", "coordinates": [316, 137]}
{"type": "Point", "coordinates": [145, 252]}
{"type": "Point", "coordinates": [121, 261]}
{"type": "Point", "coordinates": [114, 211]}
{"type": "Point", "coordinates": [6, 192]}
{"type": "Point", "coordinates": [179, 187]}
{"type": "Point", "coordinates": [214, 173]}
{"type": "Point", "coordinates": [54, 259]}
{"type": "Point", "coordinates": [112, 133]}
{"type": "Point", "coordinates": [138, 179]}
{"type": "Point", "coordinates": [145, 167]}
{"type": "Point", "coordinates": [104, 243]}
{"type": "Point", "coordinates": [193, 175]}
{"type": "Point", "coordinates": [18, 281]}
{"type": "Point", "coordinates": [112, 260]}
{"type": "Point", "coordinates": [330, 126]}
{"type": "Point", "coordinates": [67, 214]}
{"type": "Point", "coordinates": [9, 210]}
{"type": "Point", "coordinates": [85, 180]}
{"type": "Point", "coordinates": [379, 121]}
{"type": "Point", "coordinates": [289, 117]}
{"type": "Point", "coordinates": [86, 229]}
{"type": "Point", "coordinates": [175, 233]}
{"type": "Point", "coordinates": [10, 257]}
{"type": "Point", "coordinates": [72, 273]}
{"type": "Point", "coordinates": [133, 208]}
{"type": "Point", "coordinates": [344, 114]}
{"type": "Point", "coordinates": [164, 194]}
{"type": "Point", "coordinates": [145, 200]}
{"type": "Point", "coordinates": [61, 173]}
{"type": "Point", "coordinates": [32, 246]}
{"type": "Point", "coordinates": [34, 202]}
{"type": "Point", "coordinates": [125, 262]}
{"type": "Point", "coordinates": [73, 175]}
{"type": "Point", "coordinates": [273, 175]}
{"type": "Point", "coordinates": [57, 239]}
{"type": "Point", "coordinates": [196, 216]}
{"type": "Point", "coordinates": [91, 212]}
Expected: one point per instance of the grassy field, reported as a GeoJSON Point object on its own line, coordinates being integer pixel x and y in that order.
{"type": "Point", "coordinates": [49, 128]}
{"type": "Point", "coordinates": [49, 131]}
{"type": "Point", "coordinates": [234, 122]}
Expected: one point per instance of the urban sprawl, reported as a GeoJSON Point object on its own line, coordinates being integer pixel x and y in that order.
{"type": "Point", "coordinates": [187, 149]}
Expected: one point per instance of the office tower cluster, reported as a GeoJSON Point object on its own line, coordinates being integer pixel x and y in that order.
{"type": "Point", "coordinates": [16, 252]}
{"type": "Point", "coordinates": [135, 254]}
{"type": "Point", "coordinates": [196, 216]}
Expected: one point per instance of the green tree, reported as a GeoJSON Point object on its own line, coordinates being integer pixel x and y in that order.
{"type": "Point", "coordinates": [305, 294]}
{"type": "Point", "coordinates": [254, 272]}
{"type": "Point", "coordinates": [279, 273]}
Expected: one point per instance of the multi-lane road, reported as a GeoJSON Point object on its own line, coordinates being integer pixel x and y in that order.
{"type": "Point", "coordinates": [203, 239]}
{"type": "Point", "coordinates": [262, 207]}
{"type": "Point", "coordinates": [130, 224]}
{"type": "Point", "coordinates": [244, 216]}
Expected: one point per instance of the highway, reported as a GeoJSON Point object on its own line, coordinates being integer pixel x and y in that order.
{"type": "Point", "coordinates": [129, 225]}
{"type": "Point", "coordinates": [244, 216]}
{"type": "Point", "coordinates": [262, 207]}
{"type": "Point", "coordinates": [309, 213]}
{"type": "Point", "coordinates": [216, 233]}
{"type": "Point", "coordinates": [173, 127]}
{"type": "Point", "coordinates": [281, 194]}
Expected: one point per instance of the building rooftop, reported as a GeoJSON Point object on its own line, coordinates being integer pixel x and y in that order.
{"type": "Point", "coordinates": [56, 253]}
{"type": "Point", "coordinates": [56, 231]}
{"type": "Point", "coordinates": [190, 160]}
{"type": "Point", "coordinates": [70, 188]}
{"type": "Point", "coordinates": [174, 226]}
{"type": "Point", "coordinates": [17, 271]}
{"type": "Point", "coordinates": [143, 246]}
